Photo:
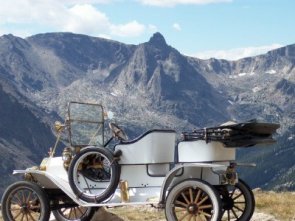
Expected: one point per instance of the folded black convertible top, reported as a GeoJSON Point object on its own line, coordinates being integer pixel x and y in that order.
{"type": "Point", "coordinates": [232, 134]}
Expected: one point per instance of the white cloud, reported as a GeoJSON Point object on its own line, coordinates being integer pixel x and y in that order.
{"type": "Point", "coordinates": [171, 3]}
{"type": "Point", "coordinates": [131, 29]}
{"type": "Point", "coordinates": [78, 16]}
{"type": "Point", "coordinates": [176, 27]}
{"type": "Point", "coordinates": [236, 53]}
{"type": "Point", "coordinates": [85, 19]}
{"type": "Point", "coordinates": [75, 2]}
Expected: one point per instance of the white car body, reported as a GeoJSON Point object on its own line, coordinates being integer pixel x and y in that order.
{"type": "Point", "coordinates": [148, 165]}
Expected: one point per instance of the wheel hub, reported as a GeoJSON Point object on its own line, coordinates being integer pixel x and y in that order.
{"type": "Point", "coordinates": [24, 208]}
{"type": "Point", "coordinates": [228, 204]}
{"type": "Point", "coordinates": [192, 208]}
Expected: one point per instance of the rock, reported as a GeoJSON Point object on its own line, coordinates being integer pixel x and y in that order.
{"type": "Point", "coordinates": [257, 190]}
{"type": "Point", "coordinates": [263, 217]}
{"type": "Point", "coordinates": [103, 215]}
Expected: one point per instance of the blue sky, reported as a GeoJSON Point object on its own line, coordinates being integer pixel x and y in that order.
{"type": "Point", "coordinates": [228, 29]}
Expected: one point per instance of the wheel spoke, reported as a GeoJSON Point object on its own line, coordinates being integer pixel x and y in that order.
{"type": "Point", "coordinates": [27, 218]}
{"type": "Point", "coordinates": [17, 215]}
{"type": "Point", "coordinates": [82, 213]}
{"type": "Point", "coordinates": [205, 207]}
{"type": "Point", "coordinates": [75, 213]}
{"type": "Point", "coordinates": [183, 217]}
{"type": "Point", "coordinates": [239, 195]}
{"type": "Point", "coordinates": [18, 199]}
{"type": "Point", "coordinates": [241, 210]}
{"type": "Point", "coordinates": [32, 218]}
{"type": "Point", "coordinates": [233, 192]}
{"type": "Point", "coordinates": [185, 198]}
{"type": "Point", "coordinates": [205, 214]}
{"type": "Point", "coordinates": [234, 213]}
{"type": "Point", "coordinates": [66, 213]}
{"type": "Point", "coordinates": [70, 214]}
{"type": "Point", "coordinates": [23, 196]}
{"type": "Point", "coordinates": [14, 202]}
{"type": "Point", "coordinates": [28, 198]}
{"type": "Point", "coordinates": [198, 196]}
{"type": "Point", "coordinates": [15, 208]}
{"type": "Point", "coordinates": [179, 209]}
{"type": "Point", "coordinates": [180, 203]}
{"type": "Point", "coordinates": [194, 218]}
{"type": "Point", "coordinates": [199, 217]}
{"type": "Point", "coordinates": [22, 218]}
{"type": "Point", "coordinates": [35, 207]}
{"type": "Point", "coordinates": [191, 195]}
{"type": "Point", "coordinates": [228, 215]}
{"type": "Point", "coordinates": [202, 201]}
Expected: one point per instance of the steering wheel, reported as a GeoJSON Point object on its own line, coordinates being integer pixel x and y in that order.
{"type": "Point", "coordinates": [118, 132]}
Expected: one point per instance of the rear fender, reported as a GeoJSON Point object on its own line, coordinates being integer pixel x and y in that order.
{"type": "Point", "coordinates": [202, 171]}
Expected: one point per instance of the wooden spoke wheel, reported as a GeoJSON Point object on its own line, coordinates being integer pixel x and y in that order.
{"type": "Point", "coordinates": [76, 213]}
{"type": "Point", "coordinates": [25, 201]}
{"type": "Point", "coordinates": [193, 200]}
{"type": "Point", "coordinates": [238, 202]}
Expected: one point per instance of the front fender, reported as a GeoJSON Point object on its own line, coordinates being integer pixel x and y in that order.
{"type": "Point", "coordinates": [48, 181]}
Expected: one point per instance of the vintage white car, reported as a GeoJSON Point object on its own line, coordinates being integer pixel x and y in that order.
{"type": "Point", "coordinates": [191, 179]}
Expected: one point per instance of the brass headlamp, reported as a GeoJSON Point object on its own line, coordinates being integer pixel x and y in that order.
{"type": "Point", "coordinates": [67, 157]}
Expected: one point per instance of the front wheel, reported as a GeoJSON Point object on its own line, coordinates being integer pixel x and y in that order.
{"type": "Point", "coordinates": [25, 201]}
{"type": "Point", "coordinates": [193, 199]}
{"type": "Point", "coordinates": [76, 213]}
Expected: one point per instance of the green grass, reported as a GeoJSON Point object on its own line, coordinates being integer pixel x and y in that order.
{"type": "Point", "coordinates": [281, 205]}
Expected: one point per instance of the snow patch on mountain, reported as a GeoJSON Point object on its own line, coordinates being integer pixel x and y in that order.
{"type": "Point", "coordinates": [271, 71]}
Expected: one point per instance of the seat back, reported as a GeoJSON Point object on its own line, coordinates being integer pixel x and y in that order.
{"type": "Point", "coordinates": [153, 147]}
{"type": "Point", "coordinates": [200, 151]}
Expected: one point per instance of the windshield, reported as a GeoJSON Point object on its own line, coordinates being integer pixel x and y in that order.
{"type": "Point", "coordinates": [86, 124]}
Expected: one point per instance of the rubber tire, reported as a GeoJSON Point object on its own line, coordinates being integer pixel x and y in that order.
{"type": "Point", "coordinates": [45, 205]}
{"type": "Point", "coordinates": [204, 186]}
{"type": "Point", "coordinates": [86, 217]}
{"type": "Point", "coordinates": [114, 181]}
{"type": "Point", "coordinates": [249, 199]}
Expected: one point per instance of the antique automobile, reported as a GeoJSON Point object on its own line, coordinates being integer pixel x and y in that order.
{"type": "Point", "coordinates": [192, 178]}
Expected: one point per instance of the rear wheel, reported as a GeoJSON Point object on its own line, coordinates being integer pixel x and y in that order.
{"type": "Point", "coordinates": [76, 213]}
{"type": "Point", "coordinates": [23, 201]}
{"type": "Point", "coordinates": [193, 200]}
{"type": "Point", "coordinates": [238, 202]}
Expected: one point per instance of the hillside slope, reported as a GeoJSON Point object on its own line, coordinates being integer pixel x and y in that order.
{"type": "Point", "coordinates": [24, 138]}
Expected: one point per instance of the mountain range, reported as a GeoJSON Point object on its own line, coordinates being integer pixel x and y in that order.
{"type": "Point", "coordinates": [150, 85]}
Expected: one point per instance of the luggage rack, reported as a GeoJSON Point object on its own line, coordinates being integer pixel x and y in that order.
{"type": "Point", "coordinates": [232, 134]}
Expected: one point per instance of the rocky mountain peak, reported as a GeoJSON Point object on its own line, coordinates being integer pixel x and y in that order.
{"type": "Point", "coordinates": [287, 51]}
{"type": "Point", "coordinates": [10, 41]}
{"type": "Point", "coordinates": [158, 40]}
